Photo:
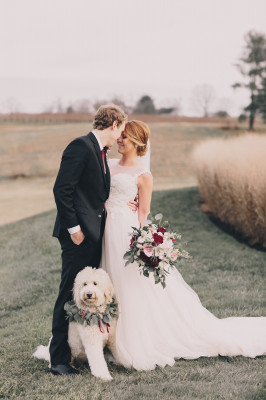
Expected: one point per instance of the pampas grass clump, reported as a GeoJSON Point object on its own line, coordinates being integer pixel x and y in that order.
{"type": "Point", "coordinates": [232, 183]}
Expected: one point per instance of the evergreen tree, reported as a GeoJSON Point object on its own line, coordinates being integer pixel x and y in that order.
{"type": "Point", "coordinates": [252, 66]}
{"type": "Point", "coordinates": [145, 105]}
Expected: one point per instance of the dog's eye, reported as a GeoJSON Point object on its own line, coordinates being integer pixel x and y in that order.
{"type": "Point", "coordinates": [95, 283]}
{"type": "Point", "coordinates": [84, 284]}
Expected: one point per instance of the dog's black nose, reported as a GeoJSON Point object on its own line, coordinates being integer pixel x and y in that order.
{"type": "Point", "coordinates": [89, 295]}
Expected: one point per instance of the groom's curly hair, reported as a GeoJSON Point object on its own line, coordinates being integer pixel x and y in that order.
{"type": "Point", "coordinates": [106, 115]}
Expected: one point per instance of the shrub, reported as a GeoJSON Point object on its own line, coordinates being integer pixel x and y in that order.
{"type": "Point", "coordinates": [232, 183]}
{"type": "Point", "coordinates": [242, 118]}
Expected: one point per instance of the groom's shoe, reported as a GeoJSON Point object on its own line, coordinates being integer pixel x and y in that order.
{"type": "Point", "coordinates": [63, 369]}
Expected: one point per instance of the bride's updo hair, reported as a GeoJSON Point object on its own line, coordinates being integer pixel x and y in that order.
{"type": "Point", "coordinates": [138, 132]}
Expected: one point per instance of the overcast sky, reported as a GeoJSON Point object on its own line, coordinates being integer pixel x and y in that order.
{"type": "Point", "coordinates": [96, 49]}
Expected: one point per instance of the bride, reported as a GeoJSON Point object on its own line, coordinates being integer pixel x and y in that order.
{"type": "Point", "coordinates": [156, 325]}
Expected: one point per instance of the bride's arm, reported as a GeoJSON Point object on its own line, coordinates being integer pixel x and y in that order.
{"type": "Point", "coordinates": [145, 183]}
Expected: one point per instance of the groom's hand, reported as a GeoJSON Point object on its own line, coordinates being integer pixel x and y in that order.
{"type": "Point", "coordinates": [77, 237]}
{"type": "Point", "coordinates": [133, 204]}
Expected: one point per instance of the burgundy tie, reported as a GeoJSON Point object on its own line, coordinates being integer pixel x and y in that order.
{"type": "Point", "coordinates": [103, 157]}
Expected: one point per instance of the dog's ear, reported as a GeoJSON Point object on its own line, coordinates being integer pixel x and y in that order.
{"type": "Point", "coordinates": [107, 284]}
{"type": "Point", "coordinates": [109, 293]}
{"type": "Point", "coordinates": [75, 291]}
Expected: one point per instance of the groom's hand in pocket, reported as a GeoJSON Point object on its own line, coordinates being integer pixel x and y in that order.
{"type": "Point", "coordinates": [77, 237]}
{"type": "Point", "coordinates": [133, 204]}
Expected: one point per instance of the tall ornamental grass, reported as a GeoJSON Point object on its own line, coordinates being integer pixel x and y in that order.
{"type": "Point", "coordinates": [232, 183]}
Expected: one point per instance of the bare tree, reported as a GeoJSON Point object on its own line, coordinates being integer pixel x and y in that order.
{"type": "Point", "coordinates": [99, 103]}
{"type": "Point", "coordinates": [83, 106]}
{"type": "Point", "coordinates": [170, 106]}
{"type": "Point", "coordinates": [121, 103]}
{"type": "Point", "coordinates": [11, 106]}
{"type": "Point", "coordinates": [114, 100]}
{"type": "Point", "coordinates": [59, 109]}
{"type": "Point", "coordinates": [202, 98]}
{"type": "Point", "coordinates": [56, 107]}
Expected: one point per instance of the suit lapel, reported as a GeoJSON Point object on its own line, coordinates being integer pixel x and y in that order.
{"type": "Point", "coordinates": [108, 179]}
{"type": "Point", "coordinates": [99, 155]}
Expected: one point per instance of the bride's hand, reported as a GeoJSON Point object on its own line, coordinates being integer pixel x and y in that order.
{"type": "Point", "coordinates": [133, 204]}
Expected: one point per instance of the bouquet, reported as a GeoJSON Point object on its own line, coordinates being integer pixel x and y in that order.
{"type": "Point", "coordinates": [155, 249]}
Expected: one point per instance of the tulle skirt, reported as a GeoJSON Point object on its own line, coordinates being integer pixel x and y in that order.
{"type": "Point", "coordinates": [156, 325]}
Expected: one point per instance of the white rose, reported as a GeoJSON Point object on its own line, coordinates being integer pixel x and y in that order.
{"type": "Point", "coordinates": [159, 252]}
{"type": "Point", "coordinates": [168, 244]}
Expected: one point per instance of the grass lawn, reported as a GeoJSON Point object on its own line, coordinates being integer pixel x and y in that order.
{"type": "Point", "coordinates": [226, 274]}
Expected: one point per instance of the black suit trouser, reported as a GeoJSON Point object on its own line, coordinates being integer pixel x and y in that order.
{"type": "Point", "coordinates": [74, 259]}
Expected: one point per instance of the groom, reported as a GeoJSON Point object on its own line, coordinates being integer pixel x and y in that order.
{"type": "Point", "coordinates": [81, 189]}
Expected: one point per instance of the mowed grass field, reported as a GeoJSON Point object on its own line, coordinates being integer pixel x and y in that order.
{"type": "Point", "coordinates": [30, 155]}
{"type": "Point", "coordinates": [227, 275]}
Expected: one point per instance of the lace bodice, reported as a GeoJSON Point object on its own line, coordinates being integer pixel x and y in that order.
{"type": "Point", "coordinates": [124, 186]}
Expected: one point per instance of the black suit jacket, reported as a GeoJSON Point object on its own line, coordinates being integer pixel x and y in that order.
{"type": "Point", "coordinates": [81, 188]}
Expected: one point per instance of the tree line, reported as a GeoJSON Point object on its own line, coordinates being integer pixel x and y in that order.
{"type": "Point", "coordinates": [251, 65]}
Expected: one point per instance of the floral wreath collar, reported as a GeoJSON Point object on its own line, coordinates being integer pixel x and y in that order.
{"type": "Point", "coordinates": [87, 318]}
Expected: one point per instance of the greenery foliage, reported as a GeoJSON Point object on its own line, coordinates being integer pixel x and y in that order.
{"type": "Point", "coordinates": [87, 318]}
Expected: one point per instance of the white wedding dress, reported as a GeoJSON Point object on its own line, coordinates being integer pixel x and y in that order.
{"type": "Point", "coordinates": [156, 325]}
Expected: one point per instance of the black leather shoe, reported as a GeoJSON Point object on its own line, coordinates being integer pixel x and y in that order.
{"type": "Point", "coordinates": [63, 369]}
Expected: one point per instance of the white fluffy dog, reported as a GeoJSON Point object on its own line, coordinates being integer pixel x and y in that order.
{"type": "Point", "coordinates": [89, 332]}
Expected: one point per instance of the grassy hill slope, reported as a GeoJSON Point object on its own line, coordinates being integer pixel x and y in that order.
{"type": "Point", "coordinates": [227, 275]}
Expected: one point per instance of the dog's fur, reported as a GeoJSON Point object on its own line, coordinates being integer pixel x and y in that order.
{"type": "Point", "coordinates": [87, 342]}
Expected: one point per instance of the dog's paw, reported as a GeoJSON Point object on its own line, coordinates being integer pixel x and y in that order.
{"type": "Point", "coordinates": [104, 377]}
{"type": "Point", "coordinates": [108, 378]}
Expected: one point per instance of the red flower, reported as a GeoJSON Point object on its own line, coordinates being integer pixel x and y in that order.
{"type": "Point", "coordinates": [157, 238]}
{"type": "Point", "coordinates": [173, 240]}
{"type": "Point", "coordinates": [152, 262]}
{"type": "Point", "coordinates": [143, 256]}
{"type": "Point", "coordinates": [162, 230]}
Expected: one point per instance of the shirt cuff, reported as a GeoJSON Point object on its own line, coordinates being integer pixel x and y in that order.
{"type": "Point", "coordinates": [74, 229]}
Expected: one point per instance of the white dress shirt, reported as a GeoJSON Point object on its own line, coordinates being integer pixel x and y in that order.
{"type": "Point", "coordinates": [77, 228]}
